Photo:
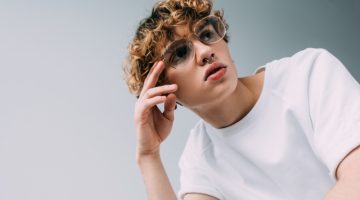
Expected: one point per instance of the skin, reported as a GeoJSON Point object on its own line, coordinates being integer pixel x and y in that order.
{"type": "Point", "coordinates": [221, 103]}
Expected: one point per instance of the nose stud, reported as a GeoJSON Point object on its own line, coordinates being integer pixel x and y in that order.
{"type": "Point", "coordinates": [209, 60]}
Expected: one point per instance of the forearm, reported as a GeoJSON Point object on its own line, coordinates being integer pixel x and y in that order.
{"type": "Point", "coordinates": [157, 183]}
{"type": "Point", "coordinates": [349, 190]}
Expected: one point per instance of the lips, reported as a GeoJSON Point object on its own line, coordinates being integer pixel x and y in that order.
{"type": "Point", "coordinates": [212, 69]}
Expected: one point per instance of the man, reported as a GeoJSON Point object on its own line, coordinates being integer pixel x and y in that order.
{"type": "Point", "coordinates": [290, 131]}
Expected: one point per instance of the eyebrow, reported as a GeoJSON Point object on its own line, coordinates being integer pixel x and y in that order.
{"type": "Point", "coordinates": [181, 36]}
{"type": "Point", "coordinates": [184, 28]}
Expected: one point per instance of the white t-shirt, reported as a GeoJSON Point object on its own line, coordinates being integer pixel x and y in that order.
{"type": "Point", "coordinates": [306, 120]}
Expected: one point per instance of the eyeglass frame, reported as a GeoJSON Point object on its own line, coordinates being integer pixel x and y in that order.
{"type": "Point", "coordinates": [195, 36]}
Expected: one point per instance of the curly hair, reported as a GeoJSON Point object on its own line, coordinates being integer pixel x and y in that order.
{"type": "Point", "coordinates": [155, 31]}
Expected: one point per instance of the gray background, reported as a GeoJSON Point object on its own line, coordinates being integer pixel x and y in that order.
{"type": "Point", "coordinates": [66, 129]}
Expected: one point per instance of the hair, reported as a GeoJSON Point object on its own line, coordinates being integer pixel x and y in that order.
{"type": "Point", "coordinates": [155, 31]}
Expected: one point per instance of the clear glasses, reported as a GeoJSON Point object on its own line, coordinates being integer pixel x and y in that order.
{"type": "Point", "coordinates": [180, 53]}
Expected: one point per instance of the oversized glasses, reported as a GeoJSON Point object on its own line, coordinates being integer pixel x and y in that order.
{"type": "Point", "coordinates": [180, 53]}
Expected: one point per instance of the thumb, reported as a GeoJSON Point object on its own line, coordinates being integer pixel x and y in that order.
{"type": "Point", "coordinates": [169, 107]}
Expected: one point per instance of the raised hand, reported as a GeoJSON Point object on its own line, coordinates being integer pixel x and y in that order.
{"type": "Point", "coordinates": [152, 125]}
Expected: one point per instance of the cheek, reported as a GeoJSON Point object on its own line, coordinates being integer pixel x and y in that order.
{"type": "Point", "coordinates": [188, 83]}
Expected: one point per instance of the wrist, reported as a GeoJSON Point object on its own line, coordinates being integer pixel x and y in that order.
{"type": "Point", "coordinates": [147, 157]}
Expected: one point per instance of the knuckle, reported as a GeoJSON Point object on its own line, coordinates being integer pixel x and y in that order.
{"type": "Point", "coordinates": [149, 93]}
{"type": "Point", "coordinates": [153, 91]}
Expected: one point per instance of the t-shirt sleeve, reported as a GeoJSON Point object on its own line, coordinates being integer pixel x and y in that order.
{"type": "Point", "coordinates": [195, 180]}
{"type": "Point", "coordinates": [334, 103]}
{"type": "Point", "coordinates": [194, 174]}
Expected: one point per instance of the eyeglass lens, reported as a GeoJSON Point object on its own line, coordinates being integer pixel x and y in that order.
{"type": "Point", "coordinates": [208, 30]}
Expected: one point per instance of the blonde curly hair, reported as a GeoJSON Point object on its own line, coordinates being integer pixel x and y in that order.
{"type": "Point", "coordinates": [155, 31]}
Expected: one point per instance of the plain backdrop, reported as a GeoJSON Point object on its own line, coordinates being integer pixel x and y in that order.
{"type": "Point", "coordinates": [66, 116]}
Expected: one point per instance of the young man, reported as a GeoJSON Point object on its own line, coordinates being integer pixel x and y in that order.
{"type": "Point", "coordinates": [290, 131]}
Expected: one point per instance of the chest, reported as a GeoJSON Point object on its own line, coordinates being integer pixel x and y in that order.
{"type": "Point", "coordinates": [272, 159]}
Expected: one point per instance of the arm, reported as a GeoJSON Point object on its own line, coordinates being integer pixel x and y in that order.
{"type": "Point", "coordinates": [153, 127]}
{"type": "Point", "coordinates": [156, 181]}
{"type": "Point", "coordinates": [348, 173]}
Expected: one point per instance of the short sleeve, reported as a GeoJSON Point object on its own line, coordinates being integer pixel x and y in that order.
{"type": "Point", "coordinates": [195, 180]}
{"type": "Point", "coordinates": [194, 173]}
{"type": "Point", "coordinates": [334, 103]}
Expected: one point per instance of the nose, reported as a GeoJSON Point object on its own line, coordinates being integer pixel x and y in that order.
{"type": "Point", "coordinates": [204, 54]}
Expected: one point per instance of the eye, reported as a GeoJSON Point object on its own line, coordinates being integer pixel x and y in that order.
{"type": "Point", "coordinates": [207, 36]}
{"type": "Point", "coordinates": [178, 54]}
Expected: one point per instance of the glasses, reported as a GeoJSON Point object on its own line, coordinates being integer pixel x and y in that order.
{"type": "Point", "coordinates": [180, 53]}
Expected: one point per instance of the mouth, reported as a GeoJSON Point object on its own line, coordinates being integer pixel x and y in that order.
{"type": "Point", "coordinates": [214, 71]}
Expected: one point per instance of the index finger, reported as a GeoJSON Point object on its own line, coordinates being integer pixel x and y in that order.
{"type": "Point", "coordinates": [153, 76]}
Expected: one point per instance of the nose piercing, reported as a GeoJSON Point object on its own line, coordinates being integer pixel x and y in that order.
{"type": "Point", "coordinates": [209, 60]}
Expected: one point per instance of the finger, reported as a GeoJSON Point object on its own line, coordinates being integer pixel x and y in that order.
{"type": "Point", "coordinates": [169, 106]}
{"type": "Point", "coordinates": [153, 76]}
{"type": "Point", "coordinates": [150, 71]}
{"type": "Point", "coordinates": [147, 104]}
{"type": "Point", "coordinates": [161, 90]}
{"type": "Point", "coordinates": [146, 81]}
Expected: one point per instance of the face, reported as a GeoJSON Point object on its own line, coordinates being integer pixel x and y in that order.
{"type": "Point", "coordinates": [199, 62]}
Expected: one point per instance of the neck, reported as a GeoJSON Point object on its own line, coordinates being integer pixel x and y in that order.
{"type": "Point", "coordinates": [233, 108]}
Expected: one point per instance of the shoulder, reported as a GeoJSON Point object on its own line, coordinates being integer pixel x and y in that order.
{"type": "Point", "coordinates": [303, 58]}
{"type": "Point", "coordinates": [300, 64]}
{"type": "Point", "coordinates": [289, 77]}
{"type": "Point", "coordinates": [197, 142]}
{"type": "Point", "coordinates": [309, 53]}
{"type": "Point", "coordinates": [314, 57]}
{"type": "Point", "coordinates": [198, 139]}
{"type": "Point", "coordinates": [319, 64]}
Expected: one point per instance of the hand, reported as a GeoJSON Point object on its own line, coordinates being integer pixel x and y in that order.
{"type": "Point", "coordinates": [152, 125]}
